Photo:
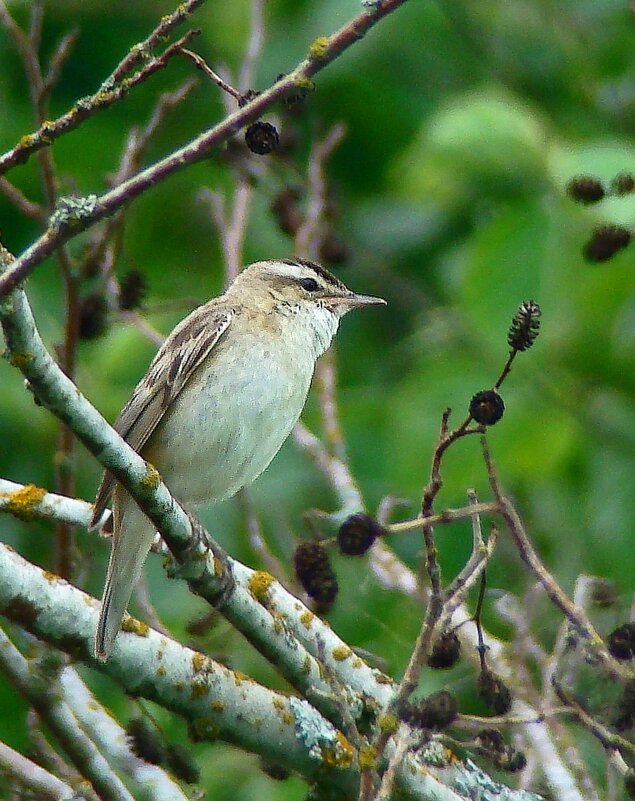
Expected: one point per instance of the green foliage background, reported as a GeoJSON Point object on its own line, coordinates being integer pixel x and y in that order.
{"type": "Point", "coordinates": [465, 120]}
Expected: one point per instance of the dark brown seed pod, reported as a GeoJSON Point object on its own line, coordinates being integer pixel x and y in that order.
{"type": "Point", "coordinates": [357, 533]}
{"type": "Point", "coordinates": [623, 184]}
{"type": "Point", "coordinates": [494, 692]}
{"type": "Point", "coordinates": [314, 572]}
{"type": "Point", "coordinates": [605, 242]}
{"type": "Point", "coordinates": [247, 97]}
{"type": "Point", "coordinates": [145, 741]}
{"type": "Point", "coordinates": [585, 189]}
{"type": "Point", "coordinates": [621, 641]}
{"type": "Point", "coordinates": [487, 407]}
{"type": "Point", "coordinates": [276, 772]}
{"type": "Point", "coordinates": [437, 711]}
{"type": "Point", "coordinates": [299, 95]}
{"type": "Point", "coordinates": [334, 251]}
{"type": "Point", "coordinates": [510, 760]}
{"type": "Point", "coordinates": [604, 593]}
{"type": "Point", "coordinates": [286, 211]}
{"type": "Point", "coordinates": [133, 287]}
{"type": "Point", "coordinates": [626, 704]}
{"type": "Point", "coordinates": [93, 316]}
{"type": "Point", "coordinates": [525, 326]}
{"type": "Point", "coordinates": [262, 138]}
{"type": "Point", "coordinates": [490, 741]}
{"type": "Point", "coordinates": [445, 651]}
{"type": "Point", "coordinates": [182, 763]}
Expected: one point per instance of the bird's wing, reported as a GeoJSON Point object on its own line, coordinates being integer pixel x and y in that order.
{"type": "Point", "coordinates": [188, 346]}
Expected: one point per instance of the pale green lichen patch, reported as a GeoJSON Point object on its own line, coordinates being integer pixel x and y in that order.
{"type": "Point", "coordinates": [71, 210]}
{"type": "Point", "coordinates": [321, 740]}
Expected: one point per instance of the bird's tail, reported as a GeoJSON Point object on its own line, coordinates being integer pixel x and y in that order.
{"type": "Point", "coordinates": [132, 537]}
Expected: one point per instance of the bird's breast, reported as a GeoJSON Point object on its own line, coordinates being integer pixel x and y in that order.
{"type": "Point", "coordinates": [232, 417]}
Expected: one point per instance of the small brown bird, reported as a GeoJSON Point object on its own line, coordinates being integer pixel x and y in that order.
{"type": "Point", "coordinates": [218, 400]}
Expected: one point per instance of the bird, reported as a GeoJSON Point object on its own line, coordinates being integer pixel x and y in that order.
{"type": "Point", "coordinates": [217, 402]}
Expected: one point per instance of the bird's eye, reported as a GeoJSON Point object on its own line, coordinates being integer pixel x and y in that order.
{"type": "Point", "coordinates": [310, 284]}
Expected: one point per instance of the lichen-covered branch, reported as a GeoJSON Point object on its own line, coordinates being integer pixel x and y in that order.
{"type": "Point", "coordinates": [36, 686]}
{"type": "Point", "coordinates": [28, 774]}
{"type": "Point", "coordinates": [113, 741]}
{"type": "Point", "coordinates": [217, 702]}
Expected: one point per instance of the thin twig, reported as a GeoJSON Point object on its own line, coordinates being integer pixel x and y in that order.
{"type": "Point", "coordinates": [577, 617]}
{"type": "Point", "coordinates": [140, 51]}
{"type": "Point", "coordinates": [64, 467]}
{"type": "Point", "coordinates": [56, 63]}
{"type": "Point", "coordinates": [258, 542]}
{"type": "Point", "coordinates": [200, 63]}
{"type": "Point", "coordinates": [110, 238]}
{"type": "Point", "coordinates": [254, 45]}
{"type": "Point", "coordinates": [86, 212]}
{"type": "Point", "coordinates": [50, 130]}
{"type": "Point", "coordinates": [32, 776]}
{"type": "Point", "coordinates": [390, 775]}
{"type": "Point", "coordinates": [606, 737]}
{"type": "Point", "coordinates": [27, 207]}
{"type": "Point", "coordinates": [308, 235]}
{"type": "Point", "coordinates": [446, 516]}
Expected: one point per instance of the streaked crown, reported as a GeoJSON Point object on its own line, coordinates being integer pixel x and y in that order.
{"type": "Point", "coordinates": [300, 280]}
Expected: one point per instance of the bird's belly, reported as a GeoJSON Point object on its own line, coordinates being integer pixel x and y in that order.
{"type": "Point", "coordinates": [225, 428]}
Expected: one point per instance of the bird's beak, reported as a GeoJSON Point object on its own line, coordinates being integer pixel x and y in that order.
{"type": "Point", "coordinates": [353, 301]}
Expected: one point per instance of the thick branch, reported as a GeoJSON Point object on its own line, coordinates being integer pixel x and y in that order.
{"type": "Point", "coordinates": [36, 688]}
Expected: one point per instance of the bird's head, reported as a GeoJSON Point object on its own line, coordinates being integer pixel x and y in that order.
{"type": "Point", "coordinates": [301, 283]}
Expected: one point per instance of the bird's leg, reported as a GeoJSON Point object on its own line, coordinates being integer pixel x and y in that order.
{"type": "Point", "coordinates": [191, 563]}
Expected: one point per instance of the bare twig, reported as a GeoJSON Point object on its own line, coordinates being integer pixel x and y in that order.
{"type": "Point", "coordinates": [446, 516]}
{"type": "Point", "coordinates": [141, 50]}
{"type": "Point", "coordinates": [27, 773]}
{"type": "Point", "coordinates": [577, 617]}
{"type": "Point", "coordinates": [458, 589]}
{"type": "Point", "coordinates": [62, 52]}
{"type": "Point", "coordinates": [604, 735]}
{"type": "Point", "coordinates": [404, 741]}
{"type": "Point", "coordinates": [258, 542]}
{"type": "Point", "coordinates": [110, 238]}
{"type": "Point", "coordinates": [27, 207]}
{"type": "Point", "coordinates": [77, 215]}
{"type": "Point", "coordinates": [202, 65]}
{"type": "Point", "coordinates": [140, 322]}
{"type": "Point", "coordinates": [106, 96]}
{"type": "Point", "coordinates": [64, 468]}
{"type": "Point", "coordinates": [254, 45]}
{"type": "Point", "coordinates": [307, 238]}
